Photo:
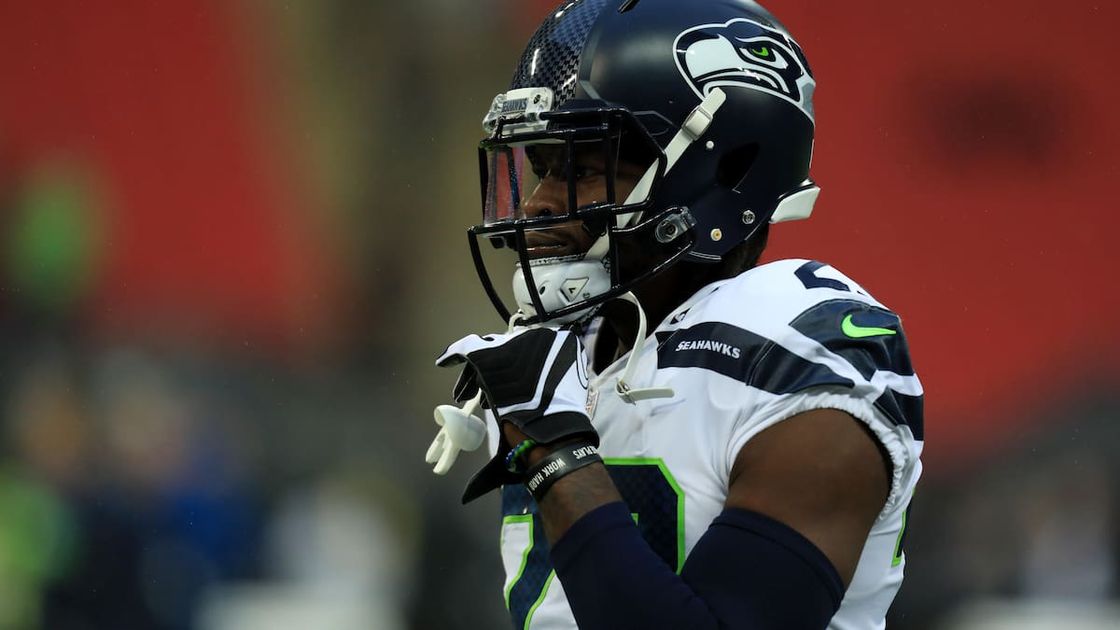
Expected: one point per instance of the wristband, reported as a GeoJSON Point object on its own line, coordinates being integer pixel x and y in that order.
{"type": "Point", "coordinates": [559, 463]}
{"type": "Point", "coordinates": [513, 458]}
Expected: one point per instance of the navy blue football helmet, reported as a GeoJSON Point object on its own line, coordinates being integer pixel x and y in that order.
{"type": "Point", "coordinates": [712, 98]}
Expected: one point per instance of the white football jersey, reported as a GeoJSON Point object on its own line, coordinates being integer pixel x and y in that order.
{"type": "Point", "coordinates": [740, 355]}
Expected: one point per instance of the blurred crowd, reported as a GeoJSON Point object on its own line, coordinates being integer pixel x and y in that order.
{"type": "Point", "coordinates": [187, 471]}
{"type": "Point", "coordinates": [154, 485]}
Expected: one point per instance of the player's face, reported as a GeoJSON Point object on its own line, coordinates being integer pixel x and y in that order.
{"type": "Point", "coordinates": [549, 197]}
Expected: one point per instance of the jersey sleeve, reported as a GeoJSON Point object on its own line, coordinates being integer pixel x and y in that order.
{"type": "Point", "coordinates": [843, 352]}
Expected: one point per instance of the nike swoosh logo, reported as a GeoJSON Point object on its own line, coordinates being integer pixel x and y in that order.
{"type": "Point", "coordinates": [859, 332]}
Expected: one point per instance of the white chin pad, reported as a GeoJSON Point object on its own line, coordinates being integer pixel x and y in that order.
{"type": "Point", "coordinates": [560, 284]}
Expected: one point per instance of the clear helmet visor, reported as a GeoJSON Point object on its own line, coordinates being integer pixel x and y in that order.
{"type": "Point", "coordinates": [551, 177]}
{"type": "Point", "coordinates": [509, 182]}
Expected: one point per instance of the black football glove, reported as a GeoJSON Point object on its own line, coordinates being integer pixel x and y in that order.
{"type": "Point", "coordinates": [535, 379]}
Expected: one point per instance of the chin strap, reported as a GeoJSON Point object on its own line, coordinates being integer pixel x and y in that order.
{"type": "Point", "coordinates": [623, 388]}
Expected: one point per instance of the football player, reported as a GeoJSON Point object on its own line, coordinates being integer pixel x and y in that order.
{"type": "Point", "coordinates": [749, 463]}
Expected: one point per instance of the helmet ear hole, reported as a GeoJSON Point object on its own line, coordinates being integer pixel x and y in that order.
{"type": "Point", "coordinates": [735, 164]}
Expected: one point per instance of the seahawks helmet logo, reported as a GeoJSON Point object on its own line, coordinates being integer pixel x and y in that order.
{"type": "Point", "coordinates": [743, 53]}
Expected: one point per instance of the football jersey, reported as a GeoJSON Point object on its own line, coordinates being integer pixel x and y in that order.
{"type": "Point", "coordinates": [740, 355]}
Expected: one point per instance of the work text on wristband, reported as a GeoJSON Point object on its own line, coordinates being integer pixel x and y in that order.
{"type": "Point", "coordinates": [559, 463]}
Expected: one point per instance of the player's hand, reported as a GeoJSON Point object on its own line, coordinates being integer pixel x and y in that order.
{"type": "Point", "coordinates": [535, 379]}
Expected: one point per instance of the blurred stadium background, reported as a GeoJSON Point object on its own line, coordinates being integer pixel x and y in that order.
{"type": "Point", "coordinates": [231, 243]}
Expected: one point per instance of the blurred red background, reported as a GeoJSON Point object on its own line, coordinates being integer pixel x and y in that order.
{"type": "Point", "coordinates": [232, 240]}
{"type": "Point", "coordinates": [167, 108]}
{"type": "Point", "coordinates": [965, 151]}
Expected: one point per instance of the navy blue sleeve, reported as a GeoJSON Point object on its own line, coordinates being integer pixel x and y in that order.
{"type": "Point", "coordinates": [748, 572]}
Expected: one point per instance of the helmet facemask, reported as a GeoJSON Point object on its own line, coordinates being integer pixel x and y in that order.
{"type": "Point", "coordinates": [564, 194]}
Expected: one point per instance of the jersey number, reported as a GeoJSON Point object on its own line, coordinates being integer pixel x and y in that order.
{"type": "Point", "coordinates": [656, 503]}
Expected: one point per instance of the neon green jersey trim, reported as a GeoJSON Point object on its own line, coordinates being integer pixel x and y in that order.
{"type": "Point", "coordinates": [896, 559]}
{"type": "Point", "coordinates": [859, 332]}
{"type": "Point", "coordinates": [540, 600]}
